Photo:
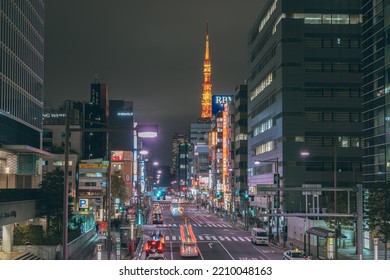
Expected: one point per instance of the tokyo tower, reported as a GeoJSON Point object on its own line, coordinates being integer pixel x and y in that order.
{"type": "Point", "coordinates": [206, 96]}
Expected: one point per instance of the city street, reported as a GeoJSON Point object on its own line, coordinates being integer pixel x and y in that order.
{"type": "Point", "coordinates": [217, 239]}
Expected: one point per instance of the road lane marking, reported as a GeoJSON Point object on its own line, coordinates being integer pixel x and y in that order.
{"type": "Point", "coordinates": [225, 250]}
{"type": "Point", "coordinates": [223, 238]}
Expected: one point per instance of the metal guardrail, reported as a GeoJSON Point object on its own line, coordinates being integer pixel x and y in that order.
{"type": "Point", "coordinates": [79, 242]}
{"type": "Point", "coordinates": [38, 250]}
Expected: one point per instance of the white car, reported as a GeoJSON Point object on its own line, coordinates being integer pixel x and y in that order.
{"type": "Point", "coordinates": [295, 255]}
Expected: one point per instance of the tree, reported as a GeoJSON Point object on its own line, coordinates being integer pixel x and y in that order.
{"type": "Point", "coordinates": [377, 212]}
{"type": "Point", "coordinates": [118, 189]}
{"type": "Point", "coordinates": [51, 200]}
{"type": "Point", "coordinates": [342, 207]}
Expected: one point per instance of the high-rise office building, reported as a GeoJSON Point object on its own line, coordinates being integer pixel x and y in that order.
{"type": "Point", "coordinates": [121, 116]}
{"type": "Point", "coordinates": [304, 100]}
{"type": "Point", "coordinates": [240, 178]}
{"type": "Point", "coordinates": [178, 156]}
{"type": "Point", "coordinates": [21, 72]}
{"type": "Point", "coordinates": [96, 116]}
{"type": "Point", "coordinates": [21, 111]}
{"type": "Point", "coordinates": [376, 88]}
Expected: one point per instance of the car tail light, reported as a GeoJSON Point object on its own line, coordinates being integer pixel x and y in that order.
{"type": "Point", "coordinates": [160, 247]}
{"type": "Point", "coordinates": [154, 243]}
{"type": "Point", "coordinates": [195, 250]}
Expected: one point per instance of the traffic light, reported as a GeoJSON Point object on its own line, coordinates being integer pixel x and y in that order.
{"type": "Point", "coordinates": [246, 196]}
{"type": "Point", "coordinates": [276, 178]}
{"type": "Point", "coordinates": [219, 194]}
{"type": "Point", "coordinates": [277, 200]}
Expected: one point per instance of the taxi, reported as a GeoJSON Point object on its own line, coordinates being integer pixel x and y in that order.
{"type": "Point", "coordinates": [295, 254]}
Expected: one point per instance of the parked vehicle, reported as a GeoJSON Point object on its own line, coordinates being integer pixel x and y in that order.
{"type": "Point", "coordinates": [259, 236]}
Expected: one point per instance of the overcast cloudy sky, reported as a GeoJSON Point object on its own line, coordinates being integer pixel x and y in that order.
{"type": "Point", "coordinates": [149, 52]}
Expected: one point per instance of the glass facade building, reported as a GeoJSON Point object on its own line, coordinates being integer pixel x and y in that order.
{"type": "Point", "coordinates": [21, 71]}
{"type": "Point", "coordinates": [376, 90]}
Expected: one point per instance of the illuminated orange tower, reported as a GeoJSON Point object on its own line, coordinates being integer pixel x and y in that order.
{"type": "Point", "coordinates": [206, 96]}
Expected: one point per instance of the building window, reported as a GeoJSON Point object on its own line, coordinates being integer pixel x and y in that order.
{"type": "Point", "coordinates": [261, 149]}
{"type": "Point", "coordinates": [261, 86]}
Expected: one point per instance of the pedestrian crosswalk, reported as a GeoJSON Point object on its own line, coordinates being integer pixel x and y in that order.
{"type": "Point", "coordinates": [211, 238]}
{"type": "Point", "coordinates": [213, 225]}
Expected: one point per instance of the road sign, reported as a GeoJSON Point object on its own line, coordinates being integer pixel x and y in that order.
{"type": "Point", "coordinates": [311, 191]}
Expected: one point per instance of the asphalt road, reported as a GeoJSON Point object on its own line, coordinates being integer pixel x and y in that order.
{"type": "Point", "coordinates": [217, 238]}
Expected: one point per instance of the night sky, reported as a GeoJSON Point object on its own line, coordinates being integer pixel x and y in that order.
{"type": "Point", "coordinates": [149, 52]}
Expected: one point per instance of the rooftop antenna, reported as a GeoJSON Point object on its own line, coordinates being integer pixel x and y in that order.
{"type": "Point", "coordinates": [96, 77]}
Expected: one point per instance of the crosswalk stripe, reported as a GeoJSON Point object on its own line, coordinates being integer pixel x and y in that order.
{"type": "Point", "coordinates": [223, 238]}
{"type": "Point", "coordinates": [211, 238]}
{"type": "Point", "coordinates": [203, 225]}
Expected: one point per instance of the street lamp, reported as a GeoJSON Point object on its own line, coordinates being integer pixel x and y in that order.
{"type": "Point", "coordinates": [232, 194]}
{"type": "Point", "coordinates": [141, 184]}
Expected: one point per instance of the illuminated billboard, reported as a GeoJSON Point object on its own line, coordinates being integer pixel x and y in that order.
{"type": "Point", "coordinates": [116, 155]}
{"type": "Point", "coordinates": [218, 101]}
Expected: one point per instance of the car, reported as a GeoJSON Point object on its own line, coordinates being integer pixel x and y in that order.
{"type": "Point", "coordinates": [189, 250]}
{"type": "Point", "coordinates": [157, 218]}
{"type": "Point", "coordinates": [295, 255]}
{"type": "Point", "coordinates": [154, 248]}
{"type": "Point", "coordinates": [158, 236]}
{"type": "Point", "coordinates": [259, 236]}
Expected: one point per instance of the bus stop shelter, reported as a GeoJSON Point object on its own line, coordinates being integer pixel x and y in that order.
{"type": "Point", "coordinates": [330, 237]}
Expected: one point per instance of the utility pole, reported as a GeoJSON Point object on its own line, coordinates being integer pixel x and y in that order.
{"type": "Point", "coordinates": [359, 222]}
{"type": "Point", "coordinates": [66, 185]}
{"type": "Point", "coordinates": [277, 198]}
{"type": "Point", "coordinates": [108, 196]}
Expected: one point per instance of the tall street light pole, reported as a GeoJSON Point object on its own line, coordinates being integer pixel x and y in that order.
{"type": "Point", "coordinates": [66, 193]}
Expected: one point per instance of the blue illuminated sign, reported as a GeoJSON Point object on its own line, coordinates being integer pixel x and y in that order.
{"type": "Point", "coordinates": [218, 101]}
